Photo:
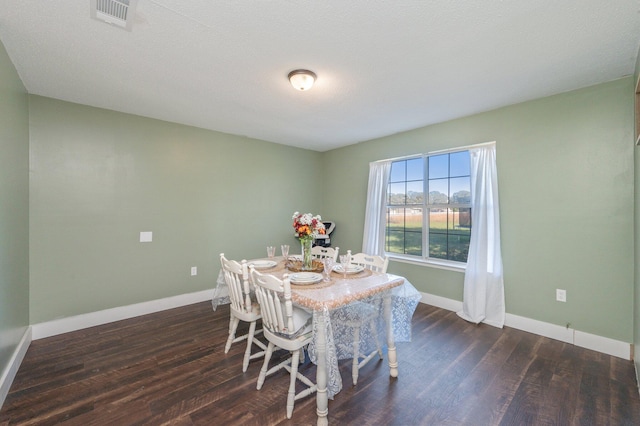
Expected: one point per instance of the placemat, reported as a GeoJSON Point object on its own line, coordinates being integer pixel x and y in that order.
{"type": "Point", "coordinates": [321, 284]}
{"type": "Point", "coordinates": [361, 274]}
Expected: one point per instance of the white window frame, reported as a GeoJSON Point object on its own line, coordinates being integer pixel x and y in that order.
{"type": "Point", "coordinates": [425, 206]}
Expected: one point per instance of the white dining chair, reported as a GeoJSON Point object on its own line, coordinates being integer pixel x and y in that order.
{"type": "Point", "coordinates": [286, 327]}
{"type": "Point", "coordinates": [372, 262]}
{"type": "Point", "coordinates": [359, 314]}
{"type": "Point", "coordinates": [319, 252]}
{"type": "Point", "coordinates": [236, 276]}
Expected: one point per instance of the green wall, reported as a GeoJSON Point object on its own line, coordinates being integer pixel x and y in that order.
{"type": "Point", "coordinates": [14, 210]}
{"type": "Point", "coordinates": [566, 178]}
{"type": "Point", "coordinates": [99, 178]}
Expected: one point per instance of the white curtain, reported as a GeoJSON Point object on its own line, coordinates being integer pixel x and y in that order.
{"type": "Point", "coordinates": [375, 213]}
{"type": "Point", "coordinates": [483, 299]}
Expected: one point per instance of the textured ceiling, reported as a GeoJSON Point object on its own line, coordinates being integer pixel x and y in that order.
{"type": "Point", "coordinates": [383, 66]}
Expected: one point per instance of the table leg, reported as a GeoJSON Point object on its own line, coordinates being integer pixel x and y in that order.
{"type": "Point", "coordinates": [391, 344]}
{"type": "Point", "coordinates": [322, 400]}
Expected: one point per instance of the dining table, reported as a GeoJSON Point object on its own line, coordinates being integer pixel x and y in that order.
{"type": "Point", "coordinates": [392, 296]}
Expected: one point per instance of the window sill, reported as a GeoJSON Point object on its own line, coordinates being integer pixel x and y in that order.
{"type": "Point", "coordinates": [439, 264]}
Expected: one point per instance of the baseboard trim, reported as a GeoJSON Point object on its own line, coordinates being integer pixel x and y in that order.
{"type": "Point", "coordinates": [541, 328]}
{"type": "Point", "coordinates": [441, 302]}
{"type": "Point", "coordinates": [586, 340]}
{"type": "Point", "coordinates": [11, 370]}
{"type": "Point", "coordinates": [594, 342]}
{"type": "Point", "coordinates": [91, 319]}
{"type": "Point", "coordinates": [603, 344]}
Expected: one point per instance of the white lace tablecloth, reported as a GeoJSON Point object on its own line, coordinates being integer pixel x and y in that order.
{"type": "Point", "coordinates": [327, 300]}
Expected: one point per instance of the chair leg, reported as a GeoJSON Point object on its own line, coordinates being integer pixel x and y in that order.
{"type": "Point", "coordinates": [265, 365]}
{"type": "Point", "coordinates": [356, 355]}
{"type": "Point", "coordinates": [291, 396]}
{"type": "Point", "coordinates": [247, 352]}
{"type": "Point", "coordinates": [233, 326]}
{"type": "Point", "coordinates": [372, 324]}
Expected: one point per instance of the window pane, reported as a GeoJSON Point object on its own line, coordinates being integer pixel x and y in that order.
{"type": "Point", "coordinates": [415, 192]}
{"type": "Point", "coordinates": [398, 173]}
{"type": "Point", "coordinates": [397, 193]}
{"type": "Point", "coordinates": [460, 190]}
{"type": "Point", "coordinates": [413, 232]}
{"type": "Point", "coordinates": [438, 220]}
{"type": "Point", "coordinates": [395, 241]}
{"type": "Point", "coordinates": [449, 233]}
{"type": "Point", "coordinates": [458, 247]}
{"type": "Point", "coordinates": [413, 242]}
{"type": "Point", "coordinates": [404, 231]}
{"type": "Point", "coordinates": [394, 230]}
{"type": "Point", "coordinates": [459, 221]}
{"type": "Point", "coordinates": [413, 219]}
{"type": "Point", "coordinates": [459, 164]}
{"type": "Point", "coordinates": [439, 166]}
{"type": "Point", "coordinates": [438, 191]}
{"type": "Point", "coordinates": [437, 245]}
{"type": "Point", "coordinates": [415, 169]}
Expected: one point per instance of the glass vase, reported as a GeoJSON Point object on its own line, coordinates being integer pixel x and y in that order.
{"type": "Point", "coordinates": [307, 259]}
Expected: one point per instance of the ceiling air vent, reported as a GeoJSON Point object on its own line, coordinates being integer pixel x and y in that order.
{"type": "Point", "coordinates": [116, 12]}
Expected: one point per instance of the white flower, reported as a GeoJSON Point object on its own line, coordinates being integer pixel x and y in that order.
{"type": "Point", "coordinates": [306, 219]}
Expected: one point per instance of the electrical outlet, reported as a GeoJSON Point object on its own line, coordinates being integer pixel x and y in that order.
{"type": "Point", "coordinates": [194, 270]}
{"type": "Point", "coordinates": [561, 295]}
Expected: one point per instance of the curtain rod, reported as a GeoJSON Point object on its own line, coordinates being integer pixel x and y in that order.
{"type": "Point", "coordinates": [462, 148]}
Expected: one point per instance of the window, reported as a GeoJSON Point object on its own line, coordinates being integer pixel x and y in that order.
{"type": "Point", "coordinates": [445, 213]}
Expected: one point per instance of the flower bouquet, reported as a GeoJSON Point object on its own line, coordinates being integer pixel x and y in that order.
{"type": "Point", "coordinates": [307, 227]}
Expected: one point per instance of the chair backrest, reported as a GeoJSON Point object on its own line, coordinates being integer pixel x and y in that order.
{"type": "Point", "coordinates": [320, 252]}
{"type": "Point", "coordinates": [372, 262]}
{"type": "Point", "coordinates": [274, 297]}
{"type": "Point", "coordinates": [236, 276]}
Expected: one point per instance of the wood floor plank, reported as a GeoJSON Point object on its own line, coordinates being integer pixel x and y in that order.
{"type": "Point", "coordinates": [479, 382]}
{"type": "Point", "coordinates": [170, 368]}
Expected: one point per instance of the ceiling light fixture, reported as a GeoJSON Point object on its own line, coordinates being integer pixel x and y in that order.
{"type": "Point", "coordinates": [302, 79]}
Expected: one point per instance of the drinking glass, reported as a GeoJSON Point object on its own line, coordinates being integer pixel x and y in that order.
{"type": "Point", "coordinates": [285, 251]}
{"type": "Point", "coordinates": [328, 267]}
{"type": "Point", "coordinates": [271, 251]}
{"type": "Point", "coordinates": [345, 260]}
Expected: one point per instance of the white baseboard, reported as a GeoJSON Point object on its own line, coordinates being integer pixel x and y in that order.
{"type": "Point", "coordinates": [553, 331]}
{"type": "Point", "coordinates": [11, 370]}
{"type": "Point", "coordinates": [91, 319]}
{"type": "Point", "coordinates": [540, 328]}
{"type": "Point", "coordinates": [602, 344]}
{"type": "Point", "coordinates": [441, 302]}
{"type": "Point", "coordinates": [568, 335]}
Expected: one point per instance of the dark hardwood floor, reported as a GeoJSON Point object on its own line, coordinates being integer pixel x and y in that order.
{"type": "Point", "coordinates": [170, 368]}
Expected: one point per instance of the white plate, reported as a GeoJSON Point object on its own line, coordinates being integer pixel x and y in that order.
{"type": "Point", "coordinates": [262, 264]}
{"type": "Point", "coordinates": [304, 278]}
{"type": "Point", "coordinates": [351, 269]}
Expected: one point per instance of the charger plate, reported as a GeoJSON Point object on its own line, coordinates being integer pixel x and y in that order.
{"type": "Point", "coordinates": [305, 278]}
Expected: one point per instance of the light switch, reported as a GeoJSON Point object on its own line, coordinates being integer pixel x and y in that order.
{"type": "Point", "coordinates": [146, 237]}
{"type": "Point", "coordinates": [194, 270]}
